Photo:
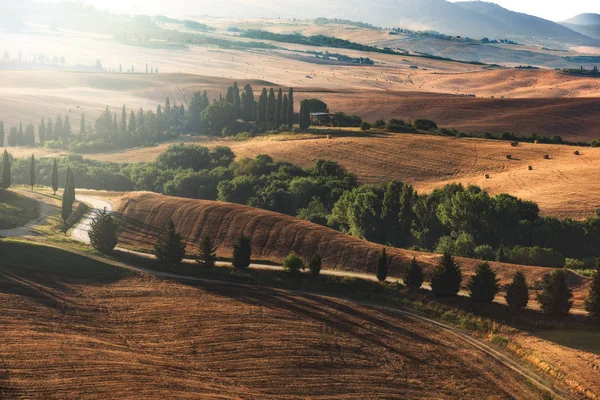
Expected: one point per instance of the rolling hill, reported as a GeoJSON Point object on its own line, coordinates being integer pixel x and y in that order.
{"type": "Point", "coordinates": [274, 236]}
{"type": "Point", "coordinates": [586, 24]}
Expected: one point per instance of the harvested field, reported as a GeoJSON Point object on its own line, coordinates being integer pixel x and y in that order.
{"type": "Point", "coordinates": [274, 236]}
{"type": "Point", "coordinates": [96, 333]}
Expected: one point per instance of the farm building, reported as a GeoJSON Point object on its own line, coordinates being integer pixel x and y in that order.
{"type": "Point", "coordinates": [320, 119]}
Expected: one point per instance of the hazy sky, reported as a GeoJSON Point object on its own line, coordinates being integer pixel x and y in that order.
{"type": "Point", "coordinates": [551, 9]}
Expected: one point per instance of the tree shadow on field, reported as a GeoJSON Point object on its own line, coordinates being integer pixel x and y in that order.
{"type": "Point", "coordinates": [333, 314]}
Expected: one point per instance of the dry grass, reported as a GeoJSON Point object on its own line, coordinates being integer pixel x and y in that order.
{"type": "Point", "coordinates": [70, 334]}
{"type": "Point", "coordinates": [274, 236]}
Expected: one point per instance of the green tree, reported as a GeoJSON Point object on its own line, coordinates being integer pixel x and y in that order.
{"type": "Point", "coordinates": [1, 134]}
{"type": "Point", "coordinates": [242, 253]}
{"type": "Point", "coordinates": [284, 109]}
{"type": "Point", "coordinates": [50, 130]}
{"type": "Point", "coordinates": [169, 248]}
{"type": "Point", "coordinates": [315, 265]}
{"type": "Point", "coordinates": [484, 286]}
{"type": "Point", "coordinates": [6, 174]}
{"type": "Point", "coordinates": [206, 252]}
{"type": "Point", "coordinates": [517, 293]}
{"type": "Point", "coordinates": [103, 232]}
{"type": "Point", "coordinates": [556, 295]}
{"type": "Point", "coordinates": [405, 216]}
{"type": "Point", "coordinates": [293, 264]}
{"type": "Point", "coordinates": [382, 266]}
{"type": "Point", "coordinates": [290, 109]}
{"type": "Point", "coordinates": [261, 110]}
{"type": "Point", "coordinates": [54, 182]}
{"type": "Point", "coordinates": [271, 109]}
{"type": "Point", "coordinates": [42, 132]}
{"type": "Point", "coordinates": [29, 136]}
{"type": "Point", "coordinates": [248, 104]}
{"type": "Point", "coordinates": [123, 125]}
{"type": "Point", "coordinates": [132, 123]}
{"type": "Point", "coordinates": [592, 304]}
{"type": "Point", "coordinates": [68, 200]}
{"type": "Point", "coordinates": [32, 172]}
{"type": "Point", "coordinates": [278, 107]}
{"type": "Point", "coordinates": [447, 277]}
{"type": "Point", "coordinates": [236, 103]}
{"type": "Point", "coordinates": [414, 275]}
{"type": "Point", "coordinates": [500, 256]}
{"type": "Point", "coordinates": [82, 126]}
{"type": "Point", "coordinates": [217, 117]}
{"type": "Point", "coordinates": [304, 116]}
{"type": "Point", "coordinates": [66, 131]}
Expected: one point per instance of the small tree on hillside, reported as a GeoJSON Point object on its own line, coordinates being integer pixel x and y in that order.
{"type": "Point", "coordinates": [170, 248]}
{"type": "Point", "coordinates": [67, 199]}
{"type": "Point", "coordinates": [414, 275]}
{"type": "Point", "coordinates": [517, 294]}
{"type": "Point", "coordinates": [242, 253]}
{"type": "Point", "coordinates": [293, 264]}
{"type": "Point", "coordinates": [315, 265]}
{"type": "Point", "coordinates": [103, 232]}
{"type": "Point", "coordinates": [556, 296]}
{"type": "Point", "coordinates": [1, 134]}
{"type": "Point", "coordinates": [304, 116]}
{"type": "Point", "coordinates": [382, 266]}
{"type": "Point", "coordinates": [32, 172]}
{"type": "Point", "coordinates": [592, 304]}
{"type": "Point", "coordinates": [54, 176]}
{"type": "Point", "coordinates": [447, 277]}
{"type": "Point", "coordinates": [290, 110]}
{"type": "Point", "coordinates": [207, 252]}
{"type": "Point", "coordinates": [6, 175]}
{"type": "Point", "coordinates": [484, 286]}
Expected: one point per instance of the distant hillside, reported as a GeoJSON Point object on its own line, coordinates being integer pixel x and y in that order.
{"type": "Point", "coordinates": [586, 24]}
{"type": "Point", "coordinates": [584, 19]}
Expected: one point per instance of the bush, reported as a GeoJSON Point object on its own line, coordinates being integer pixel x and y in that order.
{"type": "Point", "coordinates": [484, 285]}
{"type": "Point", "coordinates": [485, 252]}
{"type": "Point", "coordinates": [556, 296]}
{"type": "Point", "coordinates": [424, 124]}
{"type": "Point", "coordinates": [382, 267]}
{"type": "Point", "coordinates": [103, 232]}
{"type": "Point", "coordinates": [293, 264]}
{"type": "Point", "coordinates": [462, 246]}
{"type": "Point", "coordinates": [414, 275]}
{"type": "Point", "coordinates": [170, 248]}
{"type": "Point", "coordinates": [399, 126]}
{"type": "Point", "coordinates": [592, 304]}
{"type": "Point", "coordinates": [242, 252]}
{"type": "Point", "coordinates": [379, 124]}
{"type": "Point", "coordinates": [365, 126]}
{"type": "Point", "coordinates": [315, 265]}
{"type": "Point", "coordinates": [517, 293]}
{"type": "Point", "coordinates": [447, 277]}
{"type": "Point", "coordinates": [206, 252]}
{"type": "Point", "coordinates": [535, 256]}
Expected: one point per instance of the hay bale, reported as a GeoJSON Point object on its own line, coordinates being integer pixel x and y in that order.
{"type": "Point", "coordinates": [535, 142]}
{"type": "Point", "coordinates": [514, 144]}
{"type": "Point", "coordinates": [530, 168]}
{"type": "Point", "coordinates": [546, 157]}
{"type": "Point", "coordinates": [487, 176]}
{"type": "Point", "coordinates": [576, 152]}
{"type": "Point", "coordinates": [329, 137]}
{"type": "Point", "coordinates": [509, 157]}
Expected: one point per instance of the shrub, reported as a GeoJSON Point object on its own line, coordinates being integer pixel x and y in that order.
{"type": "Point", "coordinates": [414, 275]}
{"type": "Point", "coordinates": [103, 232]}
{"type": "Point", "coordinates": [365, 126]}
{"type": "Point", "coordinates": [447, 277]}
{"type": "Point", "coordinates": [293, 263]}
{"type": "Point", "coordinates": [556, 296]}
{"type": "Point", "coordinates": [485, 252]}
{"type": "Point", "coordinates": [462, 246]}
{"type": "Point", "coordinates": [315, 265]}
{"type": "Point", "coordinates": [535, 256]}
{"type": "Point", "coordinates": [170, 248]}
{"type": "Point", "coordinates": [517, 293]}
{"type": "Point", "coordinates": [424, 124]}
{"type": "Point", "coordinates": [592, 304]}
{"type": "Point", "coordinates": [382, 266]}
{"type": "Point", "coordinates": [484, 285]}
{"type": "Point", "coordinates": [379, 124]}
{"type": "Point", "coordinates": [398, 126]}
{"type": "Point", "coordinates": [242, 252]}
{"type": "Point", "coordinates": [206, 252]}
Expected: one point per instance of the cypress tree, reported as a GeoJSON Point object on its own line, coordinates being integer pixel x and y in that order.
{"type": "Point", "coordinates": [592, 304]}
{"type": "Point", "coordinates": [315, 265]}
{"type": "Point", "coordinates": [304, 115]}
{"type": "Point", "coordinates": [414, 275]}
{"type": "Point", "coordinates": [66, 132]}
{"type": "Point", "coordinates": [132, 123]}
{"type": "Point", "coordinates": [382, 267]}
{"type": "Point", "coordinates": [58, 126]}
{"type": "Point", "coordinates": [242, 253]}
{"type": "Point", "coordinates": [278, 106]}
{"type": "Point", "coordinates": [21, 135]}
{"type": "Point", "coordinates": [236, 100]}
{"type": "Point", "coordinates": [271, 108]}
{"type": "Point", "coordinates": [500, 257]}
{"type": "Point", "coordinates": [123, 125]}
{"type": "Point", "coordinates": [261, 116]}
{"type": "Point", "coordinates": [248, 104]}
{"type": "Point", "coordinates": [206, 252]}
{"type": "Point", "coordinates": [229, 95]}
{"type": "Point", "coordinates": [82, 126]}
{"type": "Point", "coordinates": [55, 176]}
{"type": "Point", "coordinates": [170, 248]}
{"type": "Point", "coordinates": [168, 106]}
{"type": "Point", "coordinates": [517, 293]}
{"type": "Point", "coordinates": [6, 175]}
{"type": "Point", "coordinates": [67, 202]}
{"type": "Point", "coordinates": [301, 116]}
{"type": "Point", "coordinates": [103, 232]}
{"type": "Point", "coordinates": [556, 295]}
{"type": "Point", "coordinates": [284, 107]}
{"type": "Point", "coordinates": [1, 134]}
{"type": "Point", "coordinates": [447, 277]}
{"type": "Point", "coordinates": [50, 130]}
{"type": "Point", "coordinates": [32, 172]}
{"type": "Point", "coordinates": [484, 286]}
{"type": "Point", "coordinates": [290, 109]}
{"type": "Point", "coordinates": [42, 132]}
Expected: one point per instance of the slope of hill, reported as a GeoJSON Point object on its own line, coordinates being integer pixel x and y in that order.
{"type": "Point", "coordinates": [526, 26]}
{"type": "Point", "coordinates": [274, 236]}
{"type": "Point", "coordinates": [584, 19]}
{"type": "Point", "coordinates": [111, 335]}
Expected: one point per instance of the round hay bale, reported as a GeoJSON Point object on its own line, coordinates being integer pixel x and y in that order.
{"type": "Point", "coordinates": [535, 142]}
{"type": "Point", "coordinates": [509, 157]}
{"type": "Point", "coordinates": [487, 176]}
{"type": "Point", "coordinates": [530, 168]}
{"type": "Point", "coordinates": [576, 152]}
{"type": "Point", "coordinates": [329, 137]}
{"type": "Point", "coordinates": [546, 157]}
{"type": "Point", "coordinates": [514, 144]}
